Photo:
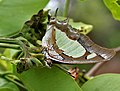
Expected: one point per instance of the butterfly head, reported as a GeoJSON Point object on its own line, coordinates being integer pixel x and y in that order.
{"type": "Point", "coordinates": [52, 21]}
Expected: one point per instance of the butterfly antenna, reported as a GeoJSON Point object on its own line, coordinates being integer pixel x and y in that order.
{"type": "Point", "coordinates": [56, 12]}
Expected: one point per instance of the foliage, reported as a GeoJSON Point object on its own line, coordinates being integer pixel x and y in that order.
{"type": "Point", "coordinates": [15, 13]}
{"type": "Point", "coordinates": [114, 7]}
{"type": "Point", "coordinates": [25, 51]}
{"type": "Point", "coordinates": [106, 82]}
{"type": "Point", "coordinates": [48, 79]}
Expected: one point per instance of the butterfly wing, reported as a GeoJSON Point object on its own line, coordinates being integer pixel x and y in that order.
{"type": "Point", "coordinates": [89, 52]}
{"type": "Point", "coordinates": [90, 46]}
{"type": "Point", "coordinates": [58, 55]}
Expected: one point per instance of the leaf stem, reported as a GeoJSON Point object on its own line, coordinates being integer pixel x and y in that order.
{"type": "Point", "coordinates": [17, 83]}
{"type": "Point", "coordinates": [10, 60]}
{"type": "Point", "coordinates": [24, 48]}
{"type": "Point", "coordinates": [10, 77]}
{"type": "Point", "coordinates": [12, 46]}
{"type": "Point", "coordinates": [63, 68]}
{"type": "Point", "coordinates": [67, 2]}
{"type": "Point", "coordinates": [94, 69]}
{"type": "Point", "coordinates": [8, 40]}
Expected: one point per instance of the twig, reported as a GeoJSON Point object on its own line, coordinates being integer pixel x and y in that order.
{"type": "Point", "coordinates": [94, 69]}
{"type": "Point", "coordinates": [17, 83]}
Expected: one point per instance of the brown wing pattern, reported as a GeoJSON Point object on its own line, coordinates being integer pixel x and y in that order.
{"type": "Point", "coordinates": [90, 46]}
{"type": "Point", "coordinates": [53, 52]}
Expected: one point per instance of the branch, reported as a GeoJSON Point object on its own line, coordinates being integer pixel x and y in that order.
{"type": "Point", "coordinates": [94, 69]}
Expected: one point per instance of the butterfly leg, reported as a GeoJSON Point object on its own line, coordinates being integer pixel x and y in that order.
{"type": "Point", "coordinates": [74, 72]}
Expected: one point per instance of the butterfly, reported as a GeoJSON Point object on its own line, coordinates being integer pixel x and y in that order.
{"type": "Point", "coordinates": [90, 53]}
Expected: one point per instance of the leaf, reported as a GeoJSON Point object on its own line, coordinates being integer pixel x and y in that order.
{"type": "Point", "coordinates": [45, 79]}
{"type": "Point", "coordinates": [6, 65]}
{"type": "Point", "coordinates": [2, 81]}
{"type": "Point", "coordinates": [7, 86]}
{"type": "Point", "coordinates": [106, 82]}
{"type": "Point", "coordinates": [86, 28]}
{"type": "Point", "coordinates": [114, 7]}
{"type": "Point", "coordinates": [14, 13]}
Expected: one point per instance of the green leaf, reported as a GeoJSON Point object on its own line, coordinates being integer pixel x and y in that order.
{"type": "Point", "coordinates": [114, 7]}
{"type": "Point", "coordinates": [13, 14]}
{"type": "Point", "coordinates": [106, 82]}
{"type": "Point", "coordinates": [2, 81]}
{"type": "Point", "coordinates": [7, 86]}
{"type": "Point", "coordinates": [6, 65]}
{"type": "Point", "coordinates": [46, 79]}
{"type": "Point", "coordinates": [86, 28]}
